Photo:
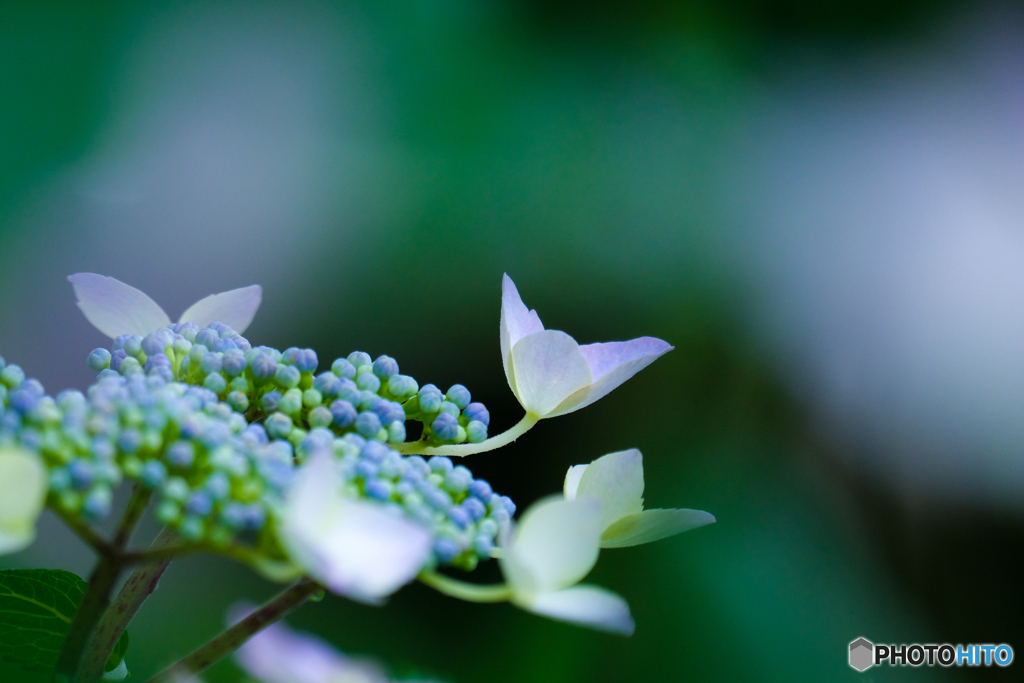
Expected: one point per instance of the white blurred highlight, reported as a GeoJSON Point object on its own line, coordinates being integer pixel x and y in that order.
{"type": "Point", "coordinates": [886, 232]}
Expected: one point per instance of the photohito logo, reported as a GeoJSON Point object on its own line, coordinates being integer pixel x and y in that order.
{"type": "Point", "coordinates": [864, 654]}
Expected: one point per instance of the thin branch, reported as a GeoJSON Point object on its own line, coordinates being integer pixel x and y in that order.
{"type": "Point", "coordinates": [233, 638]}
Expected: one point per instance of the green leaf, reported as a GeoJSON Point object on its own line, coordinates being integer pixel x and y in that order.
{"type": "Point", "coordinates": [36, 608]}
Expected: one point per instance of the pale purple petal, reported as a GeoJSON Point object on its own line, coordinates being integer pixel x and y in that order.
{"type": "Point", "coordinates": [572, 481]}
{"type": "Point", "coordinates": [516, 322]}
{"type": "Point", "coordinates": [587, 606]}
{"type": "Point", "coordinates": [553, 547]}
{"type": "Point", "coordinates": [617, 480]}
{"type": "Point", "coordinates": [235, 308]}
{"type": "Point", "coordinates": [548, 367]}
{"type": "Point", "coordinates": [616, 362]}
{"type": "Point", "coordinates": [653, 525]}
{"type": "Point", "coordinates": [115, 308]}
{"type": "Point", "coordinates": [279, 655]}
{"type": "Point", "coordinates": [606, 357]}
{"type": "Point", "coordinates": [356, 548]}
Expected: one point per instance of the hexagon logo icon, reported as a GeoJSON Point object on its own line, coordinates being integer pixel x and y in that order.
{"type": "Point", "coordinates": [862, 653]}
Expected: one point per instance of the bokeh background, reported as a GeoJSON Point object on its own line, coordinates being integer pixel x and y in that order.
{"type": "Point", "coordinates": [818, 203]}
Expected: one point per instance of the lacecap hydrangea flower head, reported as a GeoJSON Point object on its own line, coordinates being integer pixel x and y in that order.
{"type": "Point", "coordinates": [308, 474]}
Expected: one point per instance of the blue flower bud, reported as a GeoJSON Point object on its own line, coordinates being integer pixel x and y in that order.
{"type": "Point", "coordinates": [133, 345]}
{"type": "Point", "coordinates": [234, 515]}
{"type": "Point", "coordinates": [374, 451]}
{"type": "Point", "coordinates": [214, 381]}
{"type": "Point", "coordinates": [23, 401]}
{"type": "Point", "coordinates": [217, 485]}
{"type": "Point", "coordinates": [481, 489]}
{"type": "Point", "coordinates": [264, 367]}
{"type": "Point", "coordinates": [320, 417]}
{"type": "Point", "coordinates": [270, 401]}
{"type": "Point", "coordinates": [238, 401]}
{"type": "Point", "coordinates": [239, 384]}
{"type": "Point", "coordinates": [278, 425]}
{"type": "Point", "coordinates": [458, 480]}
{"type": "Point", "coordinates": [60, 479]}
{"type": "Point", "coordinates": [440, 464]}
{"type": "Point", "coordinates": [344, 413]}
{"type": "Point", "coordinates": [349, 391]}
{"type": "Point", "coordinates": [358, 359]}
{"type": "Point", "coordinates": [153, 473]}
{"type": "Point", "coordinates": [368, 424]}
{"type": "Point", "coordinates": [288, 376]}
{"type": "Point", "coordinates": [478, 412]}
{"type": "Point", "coordinates": [181, 454]}
{"type": "Point", "coordinates": [176, 488]}
{"type": "Point", "coordinates": [181, 347]}
{"type": "Point", "coordinates": [328, 384]}
{"type": "Point", "coordinates": [305, 360]}
{"type": "Point", "coordinates": [368, 382]}
{"type": "Point", "coordinates": [129, 441]}
{"type": "Point", "coordinates": [342, 368]}
{"type": "Point", "coordinates": [199, 503]}
{"type": "Point", "coordinates": [206, 337]}
{"type": "Point", "coordinates": [378, 489]}
{"type": "Point", "coordinates": [396, 432]}
{"type": "Point", "coordinates": [311, 398]}
{"type": "Point", "coordinates": [449, 408]}
{"type": "Point", "coordinates": [510, 507]}
{"type": "Point", "coordinates": [476, 431]}
{"type": "Point", "coordinates": [459, 516]}
{"type": "Point", "coordinates": [152, 344]}
{"type": "Point", "coordinates": [116, 358]}
{"type": "Point", "coordinates": [234, 363]}
{"type": "Point", "coordinates": [402, 385]}
{"type": "Point", "coordinates": [187, 330]}
{"type": "Point", "coordinates": [192, 528]}
{"type": "Point", "coordinates": [430, 401]}
{"type": "Point", "coordinates": [211, 362]}
{"type": "Point", "coordinates": [475, 508]}
{"type": "Point", "coordinates": [415, 463]}
{"type": "Point", "coordinates": [459, 395]}
{"type": "Point", "coordinates": [367, 469]}
{"type": "Point", "coordinates": [445, 427]}
{"type": "Point", "coordinates": [291, 402]}
{"type": "Point", "coordinates": [97, 503]}
{"type": "Point", "coordinates": [445, 549]}
{"type": "Point", "coordinates": [12, 376]}
{"type": "Point", "coordinates": [98, 360]}
{"type": "Point", "coordinates": [385, 367]}
{"type": "Point", "coordinates": [224, 345]}
{"type": "Point", "coordinates": [483, 546]}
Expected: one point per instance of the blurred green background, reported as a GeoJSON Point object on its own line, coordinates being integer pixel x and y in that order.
{"type": "Point", "coordinates": [377, 166]}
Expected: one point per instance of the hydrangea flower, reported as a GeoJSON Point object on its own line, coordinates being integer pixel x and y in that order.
{"type": "Point", "coordinates": [280, 655]}
{"type": "Point", "coordinates": [617, 481]}
{"type": "Point", "coordinates": [354, 547]}
{"type": "Point", "coordinates": [554, 546]}
{"type": "Point", "coordinates": [550, 373]}
{"type": "Point", "coordinates": [115, 308]}
{"type": "Point", "coordinates": [23, 488]}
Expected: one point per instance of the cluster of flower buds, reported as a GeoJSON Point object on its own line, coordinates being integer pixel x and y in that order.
{"type": "Point", "coordinates": [356, 396]}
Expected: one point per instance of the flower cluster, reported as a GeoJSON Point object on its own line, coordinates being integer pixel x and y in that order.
{"type": "Point", "coordinates": [250, 451]}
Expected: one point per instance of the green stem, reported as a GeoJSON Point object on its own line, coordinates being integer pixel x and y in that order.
{"type": "Point", "coordinates": [229, 641]}
{"type": "Point", "coordinates": [85, 532]}
{"type": "Point", "coordinates": [462, 449]}
{"type": "Point", "coordinates": [140, 585]}
{"type": "Point", "coordinates": [97, 593]}
{"type": "Point", "coordinates": [470, 592]}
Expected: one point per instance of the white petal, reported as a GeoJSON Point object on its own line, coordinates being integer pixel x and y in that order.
{"type": "Point", "coordinates": [355, 547]}
{"type": "Point", "coordinates": [587, 606]}
{"type": "Point", "coordinates": [280, 655]}
{"type": "Point", "coordinates": [554, 546]}
{"type": "Point", "coordinates": [547, 367]}
{"type": "Point", "coordinates": [23, 488]}
{"type": "Point", "coordinates": [617, 480]}
{"type": "Point", "coordinates": [516, 323]}
{"type": "Point", "coordinates": [235, 308]}
{"type": "Point", "coordinates": [572, 481]}
{"type": "Point", "coordinates": [653, 525]}
{"type": "Point", "coordinates": [611, 364]}
{"type": "Point", "coordinates": [115, 308]}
